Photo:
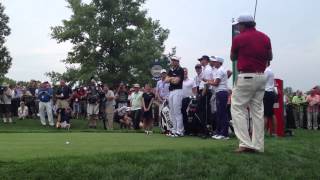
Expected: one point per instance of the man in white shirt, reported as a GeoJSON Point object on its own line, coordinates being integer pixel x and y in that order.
{"type": "Point", "coordinates": [136, 105]}
{"type": "Point", "coordinates": [221, 87]}
{"type": "Point", "coordinates": [205, 94]}
{"type": "Point", "coordinates": [269, 100]}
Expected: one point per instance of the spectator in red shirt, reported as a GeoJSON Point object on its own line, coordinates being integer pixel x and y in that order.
{"type": "Point", "coordinates": [76, 96]}
{"type": "Point", "coordinates": [252, 49]}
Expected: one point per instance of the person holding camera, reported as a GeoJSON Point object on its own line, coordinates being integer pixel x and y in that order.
{"type": "Point", "coordinates": [93, 104]}
{"type": "Point", "coordinates": [5, 102]}
{"type": "Point", "coordinates": [175, 78]}
{"type": "Point", "coordinates": [122, 96]}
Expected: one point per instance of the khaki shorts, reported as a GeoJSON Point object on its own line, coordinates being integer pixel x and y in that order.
{"type": "Point", "coordinates": [62, 104]}
{"type": "Point", "coordinates": [92, 109]}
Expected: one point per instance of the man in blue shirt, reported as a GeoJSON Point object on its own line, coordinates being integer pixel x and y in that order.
{"type": "Point", "coordinates": [44, 95]}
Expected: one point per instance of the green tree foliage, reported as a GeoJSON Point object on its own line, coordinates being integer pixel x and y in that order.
{"type": "Point", "coordinates": [5, 58]}
{"type": "Point", "coordinates": [113, 39]}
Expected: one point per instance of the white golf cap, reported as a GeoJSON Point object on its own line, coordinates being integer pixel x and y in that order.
{"type": "Point", "coordinates": [212, 58]}
{"type": "Point", "coordinates": [136, 86]}
{"type": "Point", "coordinates": [163, 71]}
{"type": "Point", "coordinates": [244, 18]}
{"type": "Point", "coordinates": [217, 59]}
{"type": "Point", "coordinates": [175, 58]}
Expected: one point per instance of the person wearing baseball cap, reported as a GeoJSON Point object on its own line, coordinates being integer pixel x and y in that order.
{"type": "Point", "coordinates": [220, 83]}
{"type": "Point", "coordinates": [175, 78]}
{"type": "Point", "coordinates": [253, 50]}
{"type": "Point", "coordinates": [162, 90]}
{"type": "Point", "coordinates": [136, 105]}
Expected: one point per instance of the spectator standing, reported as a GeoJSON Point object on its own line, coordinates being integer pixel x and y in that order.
{"type": "Point", "coordinates": [76, 96]}
{"type": "Point", "coordinates": [198, 77]}
{"type": "Point", "coordinates": [220, 83]}
{"type": "Point", "coordinates": [31, 103]}
{"type": "Point", "coordinates": [253, 50]}
{"type": "Point", "coordinates": [83, 101]}
{"type": "Point", "coordinates": [93, 104]}
{"type": "Point", "coordinates": [16, 99]}
{"type": "Point", "coordinates": [313, 109]}
{"type": "Point", "coordinates": [148, 98]}
{"type": "Point", "coordinates": [269, 100]}
{"type": "Point", "coordinates": [206, 100]}
{"type": "Point", "coordinates": [45, 94]}
{"type": "Point", "coordinates": [162, 88]}
{"type": "Point", "coordinates": [298, 102]}
{"type": "Point", "coordinates": [5, 98]}
{"type": "Point", "coordinates": [63, 95]}
{"type": "Point", "coordinates": [122, 96]}
{"type": "Point", "coordinates": [109, 106]}
{"type": "Point", "coordinates": [136, 105]}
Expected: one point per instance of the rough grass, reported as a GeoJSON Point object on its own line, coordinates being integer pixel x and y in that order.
{"type": "Point", "coordinates": [137, 156]}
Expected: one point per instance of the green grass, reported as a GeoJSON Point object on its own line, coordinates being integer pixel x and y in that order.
{"type": "Point", "coordinates": [97, 155]}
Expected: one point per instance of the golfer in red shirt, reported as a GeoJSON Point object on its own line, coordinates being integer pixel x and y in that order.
{"type": "Point", "coordinates": [253, 50]}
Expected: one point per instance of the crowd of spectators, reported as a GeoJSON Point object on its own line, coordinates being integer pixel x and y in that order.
{"type": "Point", "coordinates": [302, 109]}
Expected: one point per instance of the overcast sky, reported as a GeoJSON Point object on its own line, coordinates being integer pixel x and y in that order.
{"type": "Point", "coordinates": [197, 27]}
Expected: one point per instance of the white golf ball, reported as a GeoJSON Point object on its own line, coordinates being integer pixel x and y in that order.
{"type": "Point", "coordinates": [67, 142]}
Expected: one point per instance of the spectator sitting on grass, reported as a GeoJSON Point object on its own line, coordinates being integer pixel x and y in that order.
{"type": "Point", "coordinates": [28, 99]}
{"type": "Point", "coordinates": [65, 120]}
{"type": "Point", "coordinates": [126, 120]}
{"type": "Point", "coordinates": [23, 111]}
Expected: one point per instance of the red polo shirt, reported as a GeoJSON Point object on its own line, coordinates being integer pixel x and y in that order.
{"type": "Point", "coordinates": [252, 48]}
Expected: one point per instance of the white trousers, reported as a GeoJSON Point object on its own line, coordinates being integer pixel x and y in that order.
{"type": "Point", "coordinates": [175, 104]}
{"type": "Point", "coordinates": [46, 107]}
{"type": "Point", "coordinates": [248, 92]}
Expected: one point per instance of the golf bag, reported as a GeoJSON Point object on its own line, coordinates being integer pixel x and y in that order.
{"type": "Point", "coordinates": [165, 122]}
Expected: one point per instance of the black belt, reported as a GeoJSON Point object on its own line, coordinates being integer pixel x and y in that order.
{"type": "Point", "coordinates": [252, 72]}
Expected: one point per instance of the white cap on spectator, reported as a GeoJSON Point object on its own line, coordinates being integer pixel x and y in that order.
{"type": "Point", "coordinates": [217, 59]}
{"type": "Point", "coordinates": [163, 71]}
{"type": "Point", "coordinates": [136, 86]}
{"type": "Point", "coordinates": [175, 58]}
{"type": "Point", "coordinates": [212, 58]}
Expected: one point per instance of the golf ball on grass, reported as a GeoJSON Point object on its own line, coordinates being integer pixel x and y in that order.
{"type": "Point", "coordinates": [67, 142]}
